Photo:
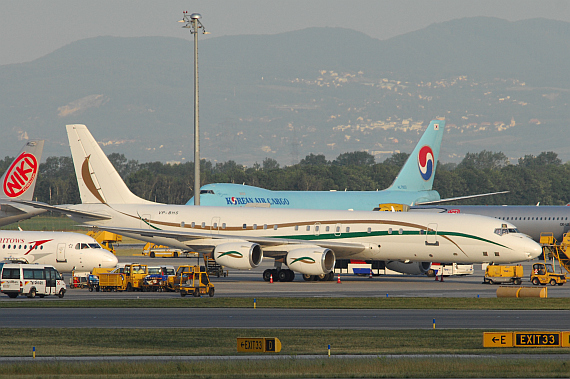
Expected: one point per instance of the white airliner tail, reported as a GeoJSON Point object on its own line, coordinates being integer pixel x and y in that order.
{"type": "Point", "coordinates": [98, 180]}
{"type": "Point", "coordinates": [19, 180]}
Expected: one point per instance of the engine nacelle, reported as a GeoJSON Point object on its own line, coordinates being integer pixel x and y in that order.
{"type": "Point", "coordinates": [311, 261]}
{"type": "Point", "coordinates": [238, 255]}
{"type": "Point", "coordinates": [414, 268]}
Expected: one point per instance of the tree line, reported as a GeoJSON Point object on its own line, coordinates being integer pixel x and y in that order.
{"type": "Point", "coordinates": [543, 178]}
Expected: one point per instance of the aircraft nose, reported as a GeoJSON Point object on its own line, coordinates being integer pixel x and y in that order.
{"type": "Point", "coordinates": [533, 249]}
{"type": "Point", "coordinates": [108, 260]}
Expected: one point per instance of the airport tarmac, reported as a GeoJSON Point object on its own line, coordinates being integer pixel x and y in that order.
{"type": "Point", "coordinates": [250, 283]}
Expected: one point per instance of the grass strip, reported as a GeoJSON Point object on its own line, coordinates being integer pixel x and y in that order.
{"type": "Point", "coordinates": [169, 341]}
{"type": "Point", "coordinates": [299, 368]}
{"type": "Point", "coordinates": [303, 303]}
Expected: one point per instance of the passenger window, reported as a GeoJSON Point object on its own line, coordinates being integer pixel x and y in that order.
{"type": "Point", "coordinates": [316, 228]}
{"type": "Point", "coordinates": [401, 231]}
{"type": "Point", "coordinates": [327, 228]}
{"type": "Point", "coordinates": [203, 225]}
{"type": "Point", "coordinates": [78, 246]}
{"type": "Point", "coordinates": [275, 227]}
{"type": "Point", "coordinates": [348, 229]}
{"type": "Point", "coordinates": [389, 230]}
{"type": "Point", "coordinates": [264, 226]}
{"type": "Point", "coordinates": [224, 225]}
{"type": "Point", "coordinates": [308, 228]}
{"type": "Point", "coordinates": [11, 273]}
{"type": "Point", "coordinates": [192, 224]}
{"type": "Point", "coordinates": [244, 226]}
{"type": "Point", "coordinates": [369, 230]}
{"type": "Point", "coordinates": [296, 227]}
{"type": "Point", "coordinates": [338, 229]}
{"type": "Point", "coordinates": [485, 254]}
{"type": "Point", "coordinates": [254, 226]}
{"type": "Point", "coordinates": [215, 225]}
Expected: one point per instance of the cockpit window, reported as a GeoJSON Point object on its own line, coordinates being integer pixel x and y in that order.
{"type": "Point", "coordinates": [202, 192]}
{"type": "Point", "coordinates": [95, 246]}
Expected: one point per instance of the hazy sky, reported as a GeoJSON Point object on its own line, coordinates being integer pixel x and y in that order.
{"type": "Point", "coordinates": [33, 28]}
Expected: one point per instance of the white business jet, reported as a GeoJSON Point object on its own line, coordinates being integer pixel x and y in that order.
{"type": "Point", "coordinates": [306, 241]}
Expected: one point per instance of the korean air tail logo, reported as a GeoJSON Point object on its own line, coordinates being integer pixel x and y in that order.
{"type": "Point", "coordinates": [20, 175]}
{"type": "Point", "coordinates": [426, 162]}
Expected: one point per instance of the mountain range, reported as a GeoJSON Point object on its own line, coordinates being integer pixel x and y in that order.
{"type": "Point", "coordinates": [501, 86]}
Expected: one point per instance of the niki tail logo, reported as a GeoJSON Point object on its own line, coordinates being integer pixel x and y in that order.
{"type": "Point", "coordinates": [426, 162]}
{"type": "Point", "coordinates": [20, 175]}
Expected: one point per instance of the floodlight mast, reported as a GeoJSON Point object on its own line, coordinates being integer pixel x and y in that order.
{"type": "Point", "coordinates": [192, 22]}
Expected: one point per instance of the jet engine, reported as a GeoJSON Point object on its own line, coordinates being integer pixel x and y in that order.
{"type": "Point", "coordinates": [311, 261]}
{"type": "Point", "coordinates": [414, 268]}
{"type": "Point", "coordinates": [238, 255]}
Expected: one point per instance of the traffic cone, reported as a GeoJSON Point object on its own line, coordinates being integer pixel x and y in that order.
{"type": "Point", "coordinates": [436, 279]}
{"type": "Point", "coordinates": [370, 275]}
{"type": "Point", "coordinates": [338, 279]}
{"type": "Point", "coordinates": [271, 279]}
{"type": "Point", "coordinates": [441, 280]}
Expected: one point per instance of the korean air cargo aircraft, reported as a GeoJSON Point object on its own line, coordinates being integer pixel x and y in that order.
{"type": "Point", "coordinates": [412, 186]}
{"type": "Point", "coordinates": [306, 241]}
{"type": "Point", "coordinates": [18, 183]}
{"type": "Point", "coordinates": [63, 250]}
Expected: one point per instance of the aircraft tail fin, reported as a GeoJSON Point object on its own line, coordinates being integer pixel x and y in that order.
{"type": "Point", "coordinates": [98, 180]}
{"type": "Point", "coordinates": [19, 180]}
{"type": "Point", "coordinates": [418, 172]}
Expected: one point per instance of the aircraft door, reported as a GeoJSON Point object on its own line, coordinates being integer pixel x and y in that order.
{"type": "Point", "coordinates": [337, 230]}
{"type": "Point", "coordinates": [145, 219]}
{"type": "Point", "coordinates": [317, 228]}
{"type": "Point", "coordinates": [215, 225]}
{"type": "Point", "coordinates": [60, 253]}
{"type": "Point", "coordinates": [431, 235]}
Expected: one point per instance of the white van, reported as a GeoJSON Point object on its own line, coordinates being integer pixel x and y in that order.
{"type": "Point", "coordinates": [31, 280]}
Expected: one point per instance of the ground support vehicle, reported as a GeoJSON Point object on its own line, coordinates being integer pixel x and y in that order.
{"type": "Point", "coordinates": [31, 280]}
{"type": "Point", "coordinates": [173, 281]}
{"type": "Point", "coordinates": [78, 279]}
{"type": "Point", "coordinates": [154, 283]}
{"type": "Point", "coordinates": [93, 283]}
{"type": "Point", "coordinates": [449, 269]}
{"type": "Point", "coordinates": [130, 279]}
{"type": "Point", "coordinates": [498, 274]}
{"type": "Point", "coordinates": [543, 273]}
{"type": "Point", "coordinates": [196, 283]}
{"type": "Point", "coordinates": [214, 268]}
{"type": "Point", "coordinates": [153, 251]}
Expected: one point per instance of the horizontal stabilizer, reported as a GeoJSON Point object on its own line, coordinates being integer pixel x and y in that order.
{"type": "Point", "coordinates": [64, 210]}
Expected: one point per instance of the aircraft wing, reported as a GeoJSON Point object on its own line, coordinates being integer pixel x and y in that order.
{"type": "Point", "coordinates": [64, 210]}
{"type": "Point", "coordinates": [9, 207]}
{"type": "Point", "coordinates": [449, 199]}
{"type": "Point", "coordinates": [199, 241]}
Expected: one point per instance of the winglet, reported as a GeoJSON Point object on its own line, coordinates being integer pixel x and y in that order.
{"type": "Point", "coordinates": [418, 172]}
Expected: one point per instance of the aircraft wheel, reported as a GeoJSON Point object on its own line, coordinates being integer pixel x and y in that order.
{"type": "Point", "coordinates": [291, 275]}
{"type": "Point", "coordinates": [32, 293]}
{"type": "Point", "coordinates": [331, 276]}
{"type": "Point", "coordinates": [266, 275]}
{"type": "Point", "coordinates": [309, 278]}
{"type": "Point", "coordinates": [283, 275]}
{"type": "Point", "coordinates": [535, 281]}
{"type": "Point", "coordinates": [552, 282]}
{"type": "Point", "coordinates": [61, 293]}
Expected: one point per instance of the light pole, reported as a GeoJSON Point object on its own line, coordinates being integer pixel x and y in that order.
{"type": "Point", "coordinates": [193, 23]}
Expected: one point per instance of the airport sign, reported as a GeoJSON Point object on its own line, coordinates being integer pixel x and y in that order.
{"type": "Point", "coordinates": [258, 345]}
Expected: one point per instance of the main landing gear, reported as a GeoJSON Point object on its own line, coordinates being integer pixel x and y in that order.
{"type": "Point", "coordinates": [279, 275]}
{"type": "Point", "coordinates": [322, 278]}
